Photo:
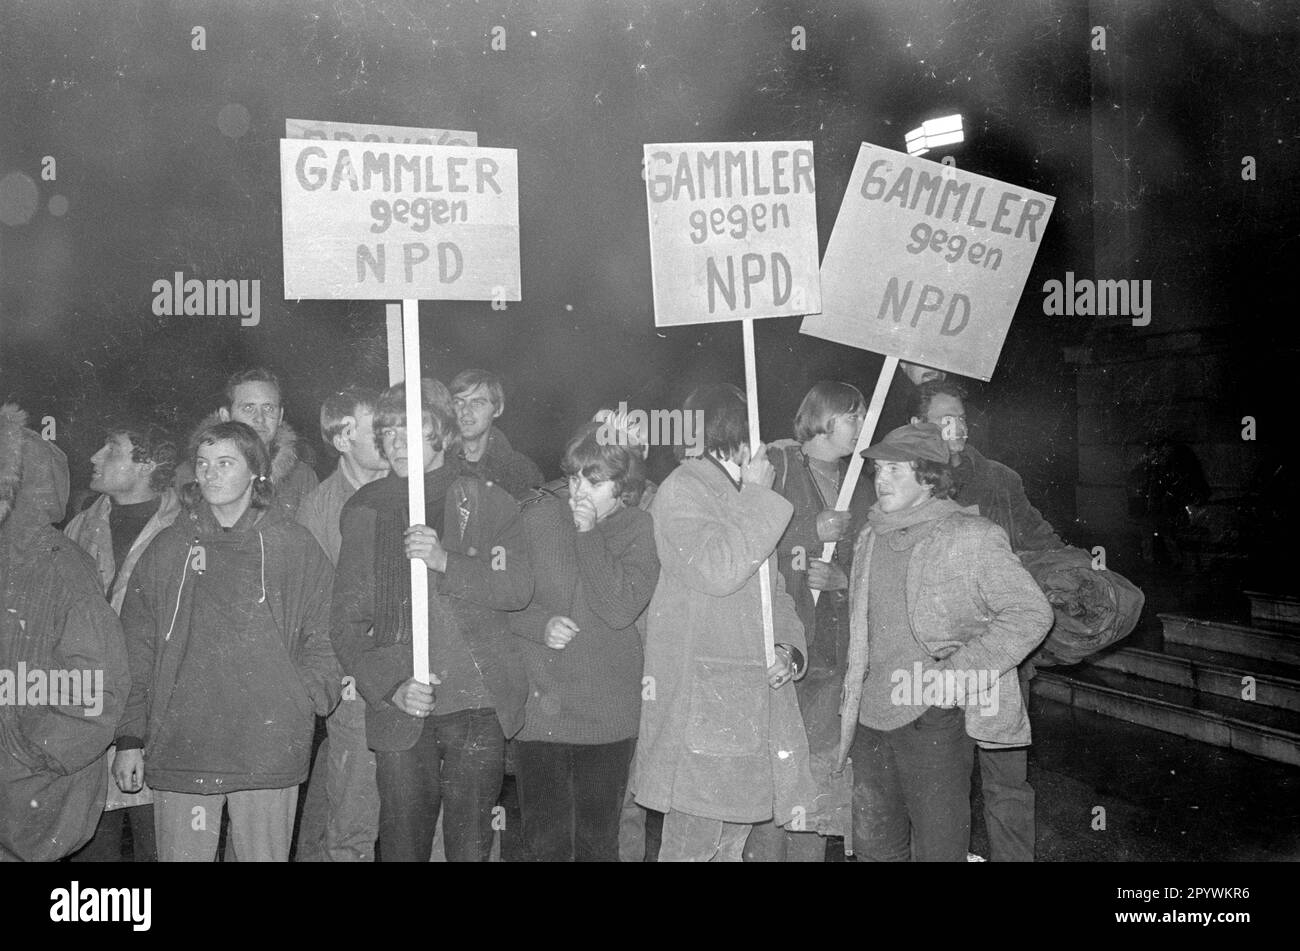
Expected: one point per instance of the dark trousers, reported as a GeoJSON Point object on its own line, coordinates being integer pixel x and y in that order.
{"type": "Point", "coordinates": [106, 845]}
{"type": "Point", "coordinates": [769, 842]}
{"type": "Point", "coordinates": [571, 797]}
{"type": "Point", "coordinates": [911, 790]}
{"type": "Point", "coordinates": [1008, 797]}
{"type": "Point", "coordinates": [457, 762]}
{"type": "Point", "coordinates": [1008, 804]}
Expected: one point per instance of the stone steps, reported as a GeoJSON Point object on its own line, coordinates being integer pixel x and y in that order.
{"type": "Point", "coordinates": [1212, 672]}
{"type": "Point", "coordinates": [1275, 609]}
{"type": "Point", "coordinates": [1280, 644]}
{"type": "Point", "coordinates": [1252, 727]}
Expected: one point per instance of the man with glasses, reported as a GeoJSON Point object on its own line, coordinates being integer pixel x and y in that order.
{"type": "Point", "coordinates": [479, 400]}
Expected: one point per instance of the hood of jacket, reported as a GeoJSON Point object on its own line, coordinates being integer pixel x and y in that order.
{"type": "Point", "coordinates": [248, 533]}
{"type": "Point", "coordinates": [284, 450]}
{"type": "Point", "coordinates": [33, 476]}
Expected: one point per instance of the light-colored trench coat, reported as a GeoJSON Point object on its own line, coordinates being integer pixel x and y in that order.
{"type": "Point", "coordinates": [715, 739]}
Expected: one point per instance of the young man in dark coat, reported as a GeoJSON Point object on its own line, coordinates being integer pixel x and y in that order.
{"type": "Point", "coordinates": [479, 400]}
{"type": "Point", "coordinates": [442, 742]}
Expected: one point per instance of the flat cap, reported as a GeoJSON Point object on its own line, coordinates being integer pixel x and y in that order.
{"type": "Point", "coordinates": [911, 443]}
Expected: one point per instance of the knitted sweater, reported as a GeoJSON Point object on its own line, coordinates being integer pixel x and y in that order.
{"type": "Point", "coordinates": [893, 645]}
{"type": "Point", "coordinates": [590, 691]}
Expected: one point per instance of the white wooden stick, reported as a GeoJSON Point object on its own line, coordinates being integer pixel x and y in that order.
{"type": "Point", "coordinates": [415, 485]}
{"type": "Point", "coordinates": [393, 326]}
{"type": "Point", "coordinates": [864, 440]}
{"type": "Point", "coordinates": [765, 569]}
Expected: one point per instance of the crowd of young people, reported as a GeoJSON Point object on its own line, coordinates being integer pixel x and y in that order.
{"type": "Point", "coordinates": [599, 638]}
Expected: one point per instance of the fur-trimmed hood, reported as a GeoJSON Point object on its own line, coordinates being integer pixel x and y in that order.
{"type": "Point", "coordinates": [284, 451]}
{"type": "Point", "coordinates": [33, 475]}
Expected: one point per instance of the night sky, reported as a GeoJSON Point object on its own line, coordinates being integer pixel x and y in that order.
{"type": "Point", "coordinates": [167, 160]}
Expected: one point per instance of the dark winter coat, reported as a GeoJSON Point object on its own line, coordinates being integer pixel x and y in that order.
{"type": "Point", "coordinates": [502, 466]}
{"type": "Point", "coordinates": [53, 617]}
{"type": "Point", "coordinates": [259, 653]}
{"type": "Point", "coordinates": [826, 623]}
{"type": "Point", "coordinates": [488, 573]}
{"type": "Point", "coordinates": [796, 484]}
{"type": "Point", "coordinates": [590, 691]}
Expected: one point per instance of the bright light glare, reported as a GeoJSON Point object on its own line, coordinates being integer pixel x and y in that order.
{"type": "Point", "coordinates": [934, 133]}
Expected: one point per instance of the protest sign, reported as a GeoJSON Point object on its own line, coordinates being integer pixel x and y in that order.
{"type": "Point", "coordinates": [733, 236]}
{"type": "Point", "coordinates": [369, 132]}
{"type": "Point", "coordinates": [377, 222]}
{"type": "Point", "coordinates": [926, 262]}
{"type": "Point", "coordinates": [449, 221]}
{"type": "Point", "coordinates": [733, 230]}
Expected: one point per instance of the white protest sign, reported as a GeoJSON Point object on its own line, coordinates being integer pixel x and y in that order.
{"type": "Point", "coordinates": [733, 230]}
{"type": "Point", "coordinates": [733, 237]}
{"type": "Point", "coordinates": [332, 205]}
{"type": "Point", "coordinates": [369, 132]}
{"type": "Point", "coordinates": [927, 262]}
{"type": "Point", "coordinates": [375, 222]}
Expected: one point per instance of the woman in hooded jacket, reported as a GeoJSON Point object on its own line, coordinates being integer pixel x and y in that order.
{"type": "Point", "coordinates": [594, 567]}
{"type": "Point", "coordinates": [227, 629]}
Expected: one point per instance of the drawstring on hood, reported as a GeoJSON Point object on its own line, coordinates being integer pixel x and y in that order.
{"type": "Point", "coordinates": [261, 545]}
{"type": "Point", "coordinates": [180, 589]}
{"type": "Point", "coordinates": [196, 546]}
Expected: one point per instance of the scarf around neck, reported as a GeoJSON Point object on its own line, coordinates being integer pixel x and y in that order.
{"type": "Point", "coordinates": [885, 523]}
{"type": "Point", "coordinates": [392, 567]}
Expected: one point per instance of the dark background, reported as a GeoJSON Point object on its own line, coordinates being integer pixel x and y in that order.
{"type": "Point", "coordinates": [155, 183]}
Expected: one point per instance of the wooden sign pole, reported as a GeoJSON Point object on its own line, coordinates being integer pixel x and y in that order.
{"type": "Point", "coordinates": [320, 231]}
{"type": "Point", "coordinates": [765, 569]}
{"type": "Point", "coordinates": [415, 484]}
{"type": "Point", "coordinates": [393, 326]}
{"type": "Point", "coordinates": [864, 440]}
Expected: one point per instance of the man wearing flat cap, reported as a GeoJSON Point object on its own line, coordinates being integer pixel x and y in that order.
{"type": "Point", "coordinates": [941, 609]}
